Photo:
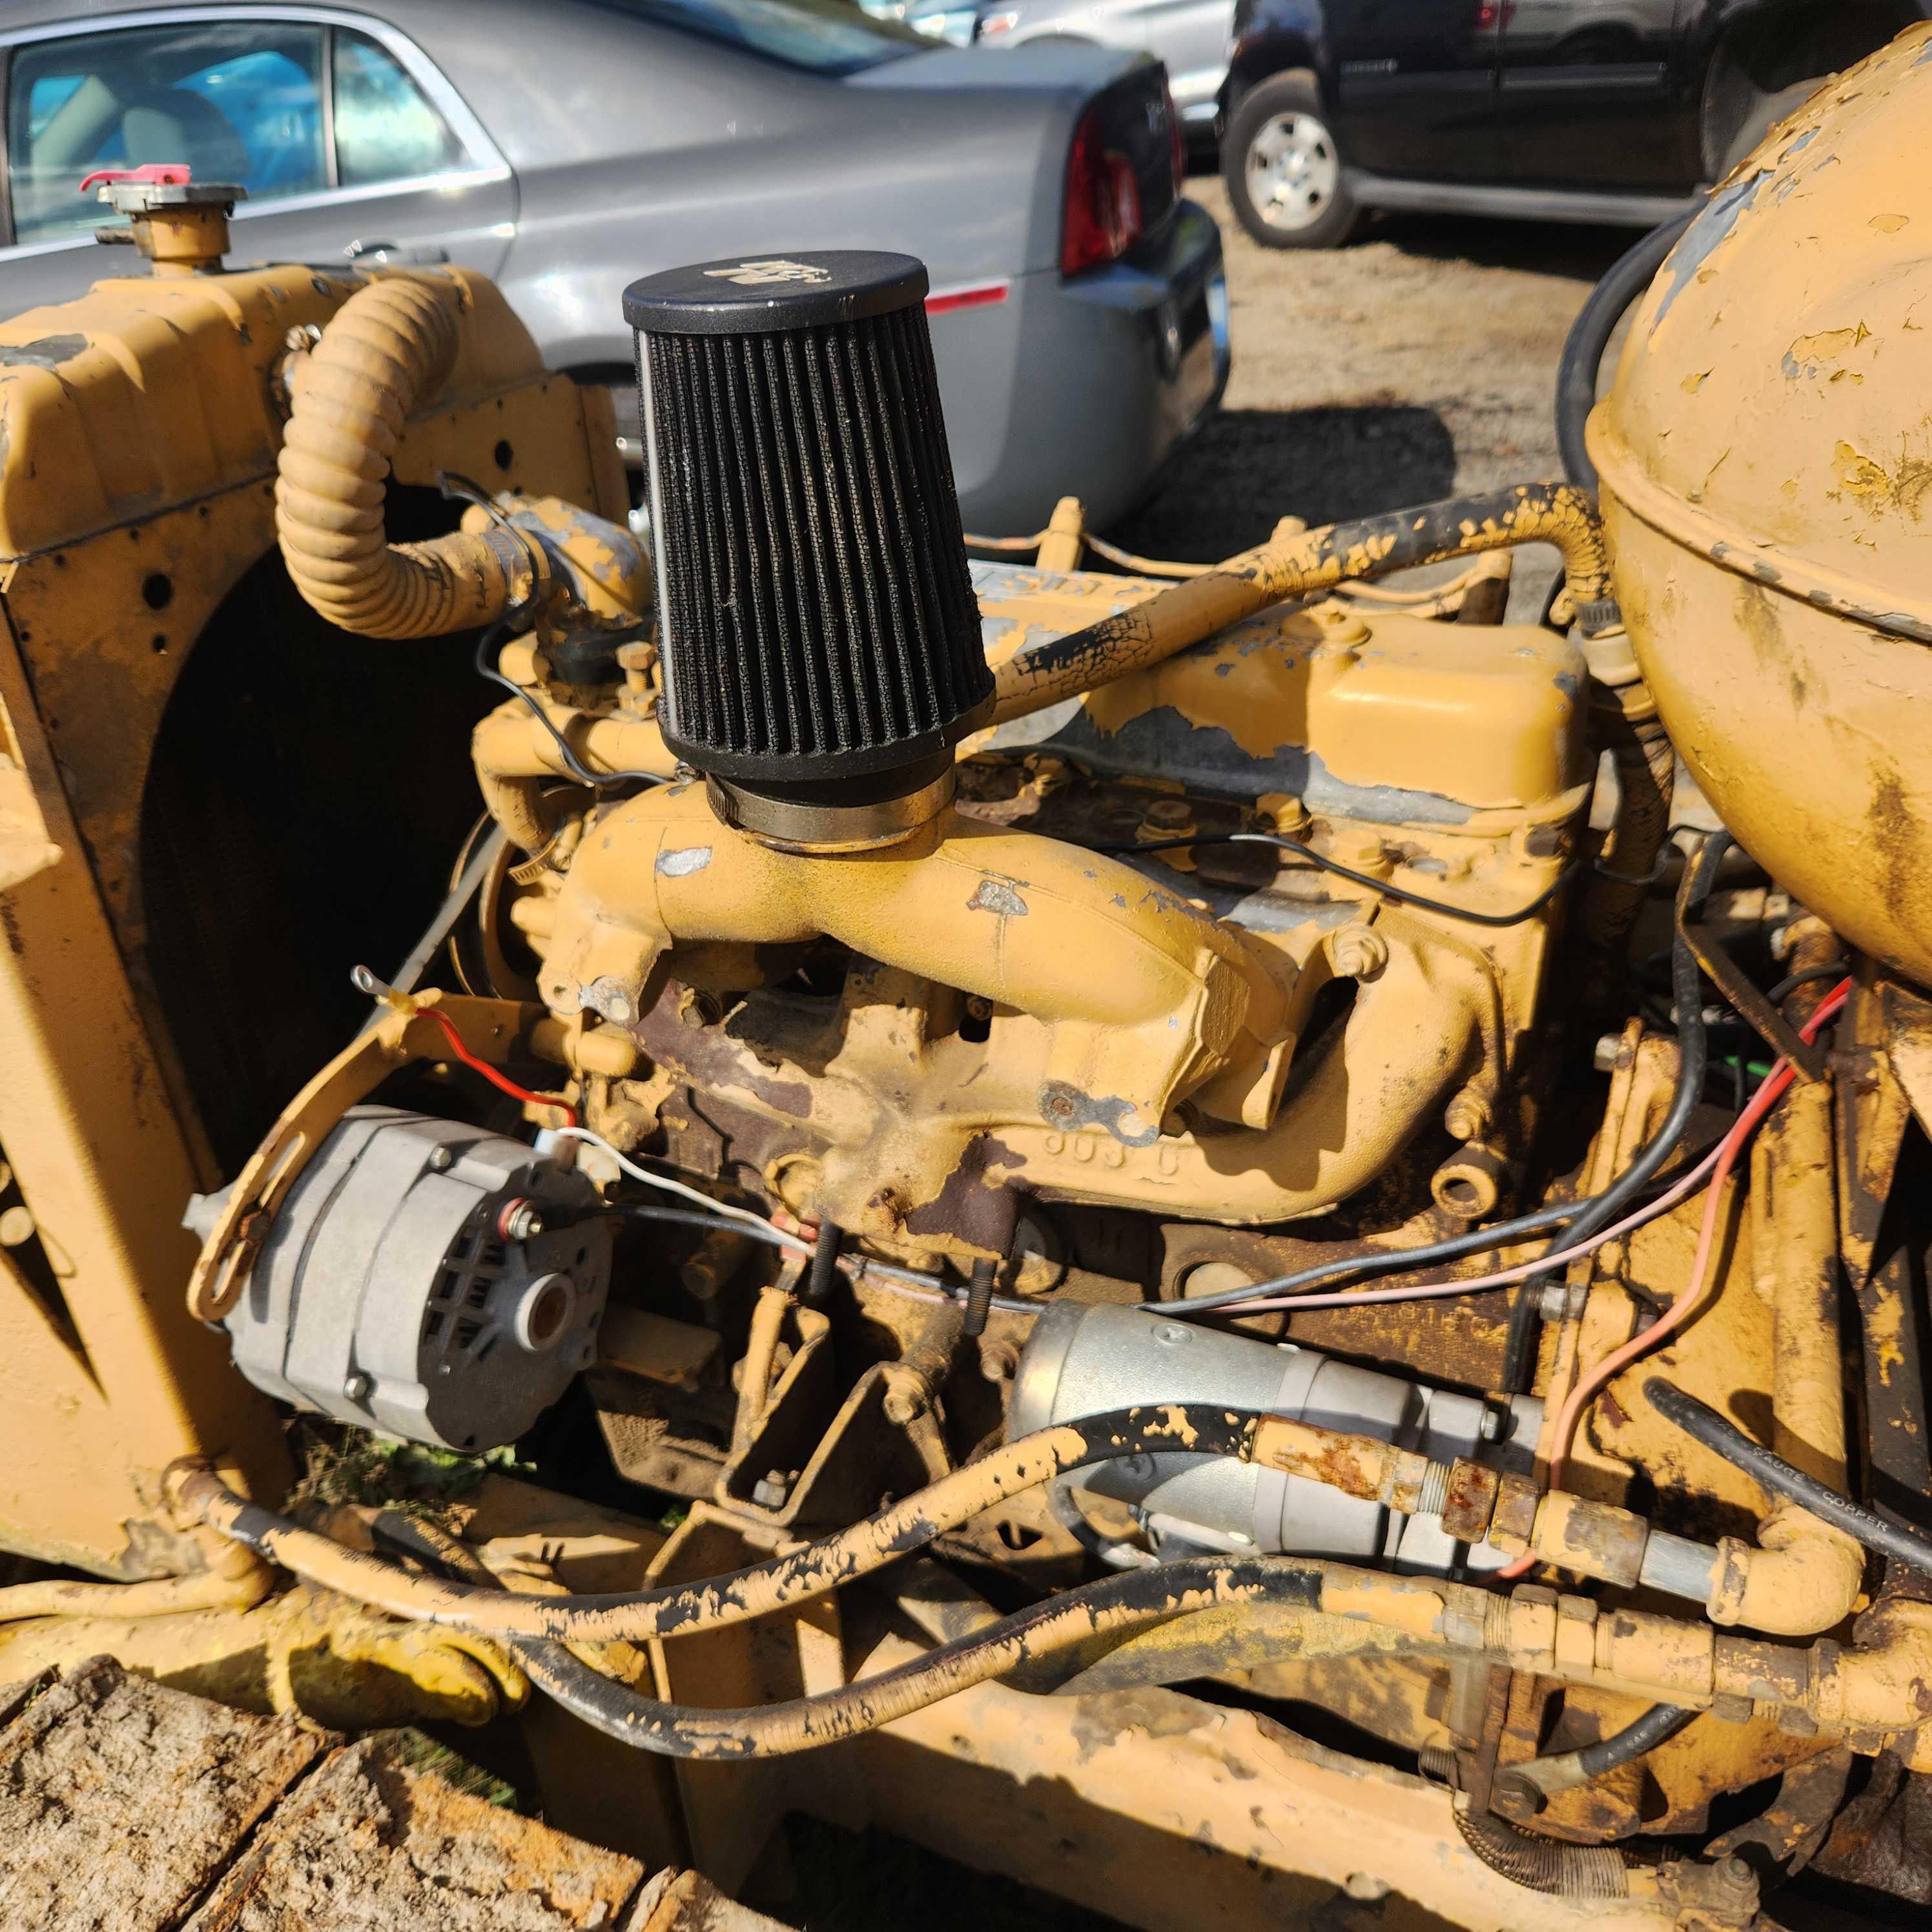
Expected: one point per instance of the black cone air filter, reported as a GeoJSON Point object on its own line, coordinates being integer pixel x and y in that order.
{"type": "Point", "coordinates": [821, 642]}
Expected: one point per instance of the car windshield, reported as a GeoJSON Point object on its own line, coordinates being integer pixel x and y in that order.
{"type": "Point", "coordinates": [827, 36]}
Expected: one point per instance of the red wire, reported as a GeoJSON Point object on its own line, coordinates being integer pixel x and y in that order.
{"type": "Point", "coordinates": [501, 1081]}
{"type": "Point", "coordinates": [1692, 1293]}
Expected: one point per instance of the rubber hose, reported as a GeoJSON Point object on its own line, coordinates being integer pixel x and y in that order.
{"type": "Point", "coordinates": [1772, 1472]}
{"type": "Point", "coordinates": [1149, 632]}
{"type": "Point", "coordinates": [1626, 279]}
{"type": "Point", "coordinates": [1113, 1606]}
{"type": "Point", "coordinates": [1549, 1865]}
{"type": "Point", "coordinates": [1563, 1771]}
{"type": "Point", "coordinates": [1658, 1725]}
{"type": "Point", "coordinates": [390, 349]}
{"type": "Point", "coordinates": [812, 1571]}
{"type": "Point", "coordinates": [1687, 991]}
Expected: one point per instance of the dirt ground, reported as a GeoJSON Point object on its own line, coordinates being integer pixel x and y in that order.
{"type": "Point", "coordinates": [1416, 363]}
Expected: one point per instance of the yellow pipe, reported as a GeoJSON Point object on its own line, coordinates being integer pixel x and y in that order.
{"type": "Point", "coordinates": [1804, 1577]}
{"type": "Point", "coordinates": [236, 1578]}
{"type": "Point", "coordinates": [1149, 998]}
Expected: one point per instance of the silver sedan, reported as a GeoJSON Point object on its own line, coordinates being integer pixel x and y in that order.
{"type": "Point", "coordinates": [1079, 314]}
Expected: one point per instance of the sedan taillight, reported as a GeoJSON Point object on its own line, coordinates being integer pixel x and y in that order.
{"type": "Point", "coordinates": [1102, 219]}
{"type": "Point", "coordinates": [1177, 135]}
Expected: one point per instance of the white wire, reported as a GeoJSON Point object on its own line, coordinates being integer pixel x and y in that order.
{"type": "Point", "coordinates": [904, 1281]}
{"type": "Point", "coordinates": [709, 1202]}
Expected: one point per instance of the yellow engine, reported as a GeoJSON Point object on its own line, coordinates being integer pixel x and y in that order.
{"type": "Point", "coordinates": [1197, 1182]}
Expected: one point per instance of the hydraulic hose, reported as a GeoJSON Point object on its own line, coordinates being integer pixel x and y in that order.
{"type": "Point", "coordinates": [1693, 1051]}
{"type": "Point", "coordinates": [1626, 278]}
{"type": "Point", "coordinates": [1298, 566]}
{"type": "Point", "coordinates": [389, 348]}
{"type": "Point", "coordinates": [1110, 1608]}
{"type": "Point", "coordinates": [1772, 1472]}
{"type": "Point", "coordinates": [1541, 1778]}
{"type": "Point", "coordinates": [804, 1573]}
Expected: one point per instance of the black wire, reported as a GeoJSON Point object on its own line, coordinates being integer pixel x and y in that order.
{"type": "Point", "coordinates": [1789, 984]}
{"type": "Point", "coordinates": [1579, 1220]}
{"type": "Point", "coordinates": [1718, 1433]}
{"type": "Point", "coordinates": [1499, 1234]}
{"type": "Point", "coordinates": [1660, 1723]}
{"type": "Point", "coordinates": [486, 667]}
{"type": "Point", "coordinates": [1693, 1053]}
{"type": "Point", "coordinates": [1400, 894]}
{"type": "Point", "coordinates": [860, 1264]}
{"type": "Point", "coordinates": [1657, 1725]}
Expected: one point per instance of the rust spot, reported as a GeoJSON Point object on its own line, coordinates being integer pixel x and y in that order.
{"type": "Point", "coordinates": [1470, 1501]}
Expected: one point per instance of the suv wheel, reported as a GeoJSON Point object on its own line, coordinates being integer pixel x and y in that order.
{"type": "Point", "coordinates": [1283, 168]}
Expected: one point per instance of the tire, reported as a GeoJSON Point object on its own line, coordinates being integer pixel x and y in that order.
{"type": "Point", "coordinates": [1283, 169]}
{"type": "Point", "coordinates": [1758, 122]}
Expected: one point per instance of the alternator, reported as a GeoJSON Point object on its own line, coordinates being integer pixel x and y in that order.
{"type": "Point", "coordinates": [426, 1280]}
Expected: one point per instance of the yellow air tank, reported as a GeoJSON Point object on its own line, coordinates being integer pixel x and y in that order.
{"type": "Point", "coordinates": [1765, 458]}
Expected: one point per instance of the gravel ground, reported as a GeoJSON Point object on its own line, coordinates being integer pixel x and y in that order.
{"type": "Point", "coordinates": [1418, 362]}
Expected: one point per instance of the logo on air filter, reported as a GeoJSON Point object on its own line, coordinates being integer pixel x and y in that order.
{"type": "Point", "coordinates": [756, 274]}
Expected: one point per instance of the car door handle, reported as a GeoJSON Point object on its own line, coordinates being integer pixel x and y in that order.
{"type": "Point", "coordinates": [421, 255]}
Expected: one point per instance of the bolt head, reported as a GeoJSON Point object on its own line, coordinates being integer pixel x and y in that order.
{"type": "Point", "coordinates": [357, 1386]}
{"type": "Point", "coordinates": [441, 1160]}
{"type": "Point", "coordinates": [1358, 952]}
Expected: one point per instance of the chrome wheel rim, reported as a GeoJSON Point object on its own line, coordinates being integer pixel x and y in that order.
{"type": "Point", "coordinates": [1293, 171]}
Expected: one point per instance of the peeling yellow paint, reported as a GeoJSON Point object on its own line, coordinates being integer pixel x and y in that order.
{"type": "Point", "coordinates": [1872, 483]}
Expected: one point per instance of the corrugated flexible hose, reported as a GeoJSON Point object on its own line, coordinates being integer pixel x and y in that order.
{"type": "Point", "coordinates": [390, 348]}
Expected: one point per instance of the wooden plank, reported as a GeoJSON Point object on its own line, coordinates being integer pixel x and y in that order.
{"type": "Point", "coordinates": [366, 1844]}
{"type": "Point", "coordinates": [120, 1801]}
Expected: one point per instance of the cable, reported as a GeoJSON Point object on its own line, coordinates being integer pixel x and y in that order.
{"type": "Point", "coordinates": [1626, 278]}
{"type": "Point", "coordinates": [1692, 1054]}
{"type": "Point", "coordinates": [486, 668]}
{"type": "Point", "coordinates": [1399, 894]}
{"type": "Point", "coordinates": [1006, 544]}
{"type": "Point", "coordinates": [1832, 969]}
{"type": "Point", "coordinates": [1540, 1778]}
{"type": "Point", "coordinates": [1367, 1297]}
{"type": "Point", "coordinates": [920, 1287]}
{"type": "Point", "coordinates": [1144, 566]}
{"type": "Point", "coordinates": [1584, 1218]}
{"type": "Point", "coordinates": [1657, 1725]}
{"type": "Point", "coordinates": [1687, 1298]}
{"type": "Point", "coordinates": [501, 1081]}
{"type": "Point", "coordinates": [1691, 1295]}
{"type": "Point", "coordinates": [1499, 1234]}
{"type": "Point", "coordinates": [810, 1571]}
{"type": "Point", "coordinates": [1115, 1606]}
{"type": "Point", "coordinates": [1897, 1540]}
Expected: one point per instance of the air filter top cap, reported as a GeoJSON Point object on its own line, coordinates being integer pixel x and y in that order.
{"type": "Point", "coordinates": [744, 295]}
